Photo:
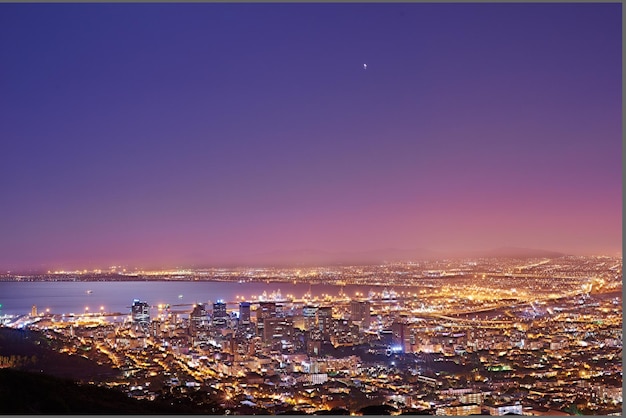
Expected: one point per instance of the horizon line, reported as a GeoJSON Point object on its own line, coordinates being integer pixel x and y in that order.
{"type": "Point", "coordinates": [151, 267]}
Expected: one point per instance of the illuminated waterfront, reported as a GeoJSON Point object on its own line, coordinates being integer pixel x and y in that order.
{"type": "Point", "coordinates": [454, 337]}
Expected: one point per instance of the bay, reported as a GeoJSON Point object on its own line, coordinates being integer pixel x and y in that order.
{"type": "Point", "coordinates": [18, 298]}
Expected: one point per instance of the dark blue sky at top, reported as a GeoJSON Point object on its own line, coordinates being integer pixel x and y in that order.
{"type": "Point", "coordinates": [145, 132]}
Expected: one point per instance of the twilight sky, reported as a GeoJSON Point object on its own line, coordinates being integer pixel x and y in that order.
{"type": "Point", "coordinates": [156, 134]}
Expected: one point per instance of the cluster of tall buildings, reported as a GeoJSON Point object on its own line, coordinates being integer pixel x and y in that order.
{"type": "Point", "coordinates": [275, 325]}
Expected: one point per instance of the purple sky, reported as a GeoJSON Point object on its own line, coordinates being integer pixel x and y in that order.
{"type": "Point", "coordinates": [156, 134]}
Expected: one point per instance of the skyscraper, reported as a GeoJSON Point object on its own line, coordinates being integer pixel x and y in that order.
{"type": "Point", "coordinates": [220, 316]}
{"type": "Point", "coordinates": [360, 312]}
{"type": "Point", "coordinates": [244, 313]}
{"type": "Point", "coordinates": [199, 318]}
{"type": "Point", "coordinates": [401, 336]}
{"type": "Point", "coordinates": [314, 342]}
{"type": "Point", "coordinates": [140, 312]}
{"type": "Point", "coordinates": [325, 321]}
{"type": "Point", "coordinates": [265, 310]}
{"type": "Point", "coordinates": [310, 317]}
{"type": "Point", "coordinates": [277, 330]}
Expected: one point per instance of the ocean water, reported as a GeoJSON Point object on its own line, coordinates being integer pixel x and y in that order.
{"type": "Point", "coordinates": [18, 298]}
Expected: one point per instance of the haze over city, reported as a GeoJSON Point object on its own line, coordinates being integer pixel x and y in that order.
{"type": "Point", "coordinates": [169, 134]}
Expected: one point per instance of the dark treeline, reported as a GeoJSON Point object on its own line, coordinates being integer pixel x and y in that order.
{"type": "Point", "coordinates": [32, 393]}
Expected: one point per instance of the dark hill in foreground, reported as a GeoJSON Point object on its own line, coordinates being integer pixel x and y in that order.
{"type": "Point", "coordinates": [36, 353]}
{"type": "Point", "coordinates": [32, 393]}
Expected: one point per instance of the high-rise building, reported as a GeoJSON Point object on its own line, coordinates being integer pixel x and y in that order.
{"type": "Point", "coordinates": [265, 310]}
{"type": "Point", "coordinates": [360, 311]}
{"type": "Point", "coordinates": [314, 342]}
{"type": "Point", "coordinates": [325, 321]}
{"type": "Point", "coordinates": [310, 317]}
{"type": "Point", "coordinates": [220, 316]}
{"type": "Point", "coordinates": [140, 312]}
{"type": "Point", "coordinates": [244, 313]}
{"type": "Point", "coordinates": [155, 328]}
{"type": "Point", "coordinates": [401, 337]}
{"type": "Point", "coordinates": [199, 318]}
{"type": "Point", "coordinates": [277, 330]}
{"type": "Point", "coordinates": [33, 311]}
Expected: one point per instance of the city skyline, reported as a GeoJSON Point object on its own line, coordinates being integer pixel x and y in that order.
{"type": "Point", "coordinates": [168, 134]}
{"type": "Point", "coordinates": [451, 337]}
